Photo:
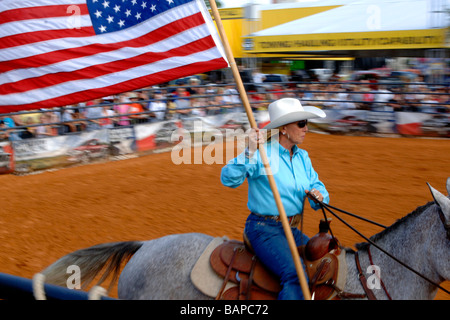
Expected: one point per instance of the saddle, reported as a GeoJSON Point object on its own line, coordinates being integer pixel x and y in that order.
{"type": "Point", "coordinates": [321, 256]}
{"type": "Point", "coordinates": [235, 261]}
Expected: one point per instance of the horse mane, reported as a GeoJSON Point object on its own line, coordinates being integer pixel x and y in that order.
{"type": "Point", "coordinates": [417, 212]}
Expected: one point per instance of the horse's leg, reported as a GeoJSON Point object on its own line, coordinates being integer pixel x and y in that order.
{"type": "Point", "coordinates": [161, 269]}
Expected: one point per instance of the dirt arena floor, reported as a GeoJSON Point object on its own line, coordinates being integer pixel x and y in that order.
{"type": "Point", "coordinates": [47, 215]}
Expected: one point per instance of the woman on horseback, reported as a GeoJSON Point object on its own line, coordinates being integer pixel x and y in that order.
{"type": "Point", "coordinates": [294, 176]}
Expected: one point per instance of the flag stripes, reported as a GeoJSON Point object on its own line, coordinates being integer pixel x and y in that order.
{"type": "Point", "coordinates": [43, 63]}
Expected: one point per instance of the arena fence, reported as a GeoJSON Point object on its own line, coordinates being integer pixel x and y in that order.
{"type": "Point", "coordinates": [347, 113]}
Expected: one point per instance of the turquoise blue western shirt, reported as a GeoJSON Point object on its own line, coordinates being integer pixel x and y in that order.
{"type": "Point", "coordinates": [292, 177]}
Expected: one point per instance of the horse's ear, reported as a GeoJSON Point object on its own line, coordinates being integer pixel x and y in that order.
{"type": "Point", "coordinates": [442, 201]}
{"type": "Point", "coordinates": [448, 186]}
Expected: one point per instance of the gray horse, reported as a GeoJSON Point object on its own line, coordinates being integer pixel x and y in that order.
{"type": "Point", "coordinates": [160, 268]}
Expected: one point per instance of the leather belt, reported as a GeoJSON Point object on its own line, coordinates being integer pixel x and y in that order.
{"type": "Point", "coordinates": [294, 221]}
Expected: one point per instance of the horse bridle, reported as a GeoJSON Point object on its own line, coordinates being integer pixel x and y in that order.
{"type": "Point", "coordinates": [329, 208]}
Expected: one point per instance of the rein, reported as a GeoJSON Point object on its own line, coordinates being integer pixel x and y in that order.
{"type": "Point", "coordinates": [329, 208]}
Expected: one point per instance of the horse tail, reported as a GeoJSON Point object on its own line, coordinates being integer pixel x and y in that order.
{"type": "Point", "coordinates": [91, 261]}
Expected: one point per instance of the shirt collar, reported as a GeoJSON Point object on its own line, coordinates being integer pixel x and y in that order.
{"type": "Point", "coordinates": [283, 150]}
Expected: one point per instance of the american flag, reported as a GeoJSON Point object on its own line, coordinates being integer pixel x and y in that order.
{"type": "Point", "coordinates": [60, 52]}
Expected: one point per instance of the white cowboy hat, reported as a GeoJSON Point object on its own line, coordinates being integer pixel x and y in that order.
{"type": "Point", "coordinates": [289, 110]}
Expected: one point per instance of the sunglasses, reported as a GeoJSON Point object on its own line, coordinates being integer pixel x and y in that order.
{"type": "Point", "coordinates": [302, 124]}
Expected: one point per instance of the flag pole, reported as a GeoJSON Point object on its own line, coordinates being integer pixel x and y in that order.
{"type": "Point", "coordinates": [262, 151]}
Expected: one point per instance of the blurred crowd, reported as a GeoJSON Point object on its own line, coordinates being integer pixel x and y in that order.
{"type": "Point", "coordinates": [194, 99]}
{"type": "Point", "coordinates": [365, 95]}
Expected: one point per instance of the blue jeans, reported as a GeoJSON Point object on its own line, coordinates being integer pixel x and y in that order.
{"type": "Point", "coordinates": [270, 245]}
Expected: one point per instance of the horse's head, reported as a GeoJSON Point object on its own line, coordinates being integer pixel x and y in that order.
{"type": "Point", "coordinates": [443, 203]}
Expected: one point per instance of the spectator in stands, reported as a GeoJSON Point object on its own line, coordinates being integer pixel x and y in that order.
{"type": "Point", "coordinates": [429, 102]}
{"type": "Point", "coordinates": [108, 121]}
{"type": "Point", "coordinates": [28, 132]}
{"type": "Point", "coordinates": [397, 102]}
{"type": "Point", "coordinates": [412, 105]}
{"type": "Point", "coordinates": [198, 106]}
{"type": "Point", "coordinates": [171, 106]}
{"type": "Point", "coordinates": [93, 113]}
{"type": "Point", "coordinates": [307, 94]}
{"type": "Point", "coordinates": [444, 99]}
{"type": "Point", "coordinates": [258, 77]}
{"type": "Point", "coordinates": [258, 100]}
{"type": "Point", "coordinates": [123, 109]}
{"type": "Point", "coordinates": [277, 91]}
{"type": "Point", "coordinates": [4, 133]}
{"type": "Point", "coordinates": [435, 102]}
{"type": "Point", "coordinates": [66, 121]}
{"type": "Point", "coordinates": [329, 97]}
{"type": "Point", "coordinates": [418, 85]}
{"type": "Point", "coordinates": [363, 96]}
{"type": "Point", "coordinates": [54, 120]}
{"type": "Point", "coordinates": [289, 91]}
{"type": "Point", "coordinates": [9, 122]}
{"type": "Point", "coordinates": [345, 101]}
{"type": "Point", "coordinates": [231, 97]}
{"type": "Point", "coordinates": [216, 102]}
{"type": "Point", "coordinates": [382, 96]}
{"type": "Point", "coordinates": [78, 115]}
{"type": "Point", "coordinates": [44, 130]}
{"type": "Point", "coordinates": [199, 102]}
{"type": "Point", "coordinates": [193, 86]}
{"type": "Point", "coordinates": [136, 108]}
{"type": "Point", "coordinates": [210, 92]}
{"type": "Point", "coordinates": [182, 103]}
{"type": "Point", "coordinates": [368, 97]}
{"type": "Point", "coordinates": [321, 95]}
{"type": "Point", "coordinates": [300, 91]}
{"type": "Point", "coordinates": [157, 106]}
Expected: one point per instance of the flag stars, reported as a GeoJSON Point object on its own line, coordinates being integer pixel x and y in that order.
{"type": "Point", "coordinates": [98, 14]}
{"type": "Point", "coordinates": [113, 15]}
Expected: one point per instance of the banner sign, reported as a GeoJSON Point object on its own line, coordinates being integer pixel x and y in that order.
{"type": "Point", "coordinates": [60, 151]}
{"type": "Point", "coordinates": [6, 157]}
{"type": "Point", "coordinates": [376, 40]}
{"type": "Point", "coordinates": [122, 140]}
{"type": "Point", "coordinates": [423, 124]}
{"type": "Point", "coordinates": [157, 135]}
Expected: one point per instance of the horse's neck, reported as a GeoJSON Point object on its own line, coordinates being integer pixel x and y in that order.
{"type": "Point", "coordinates": [408, 244]}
